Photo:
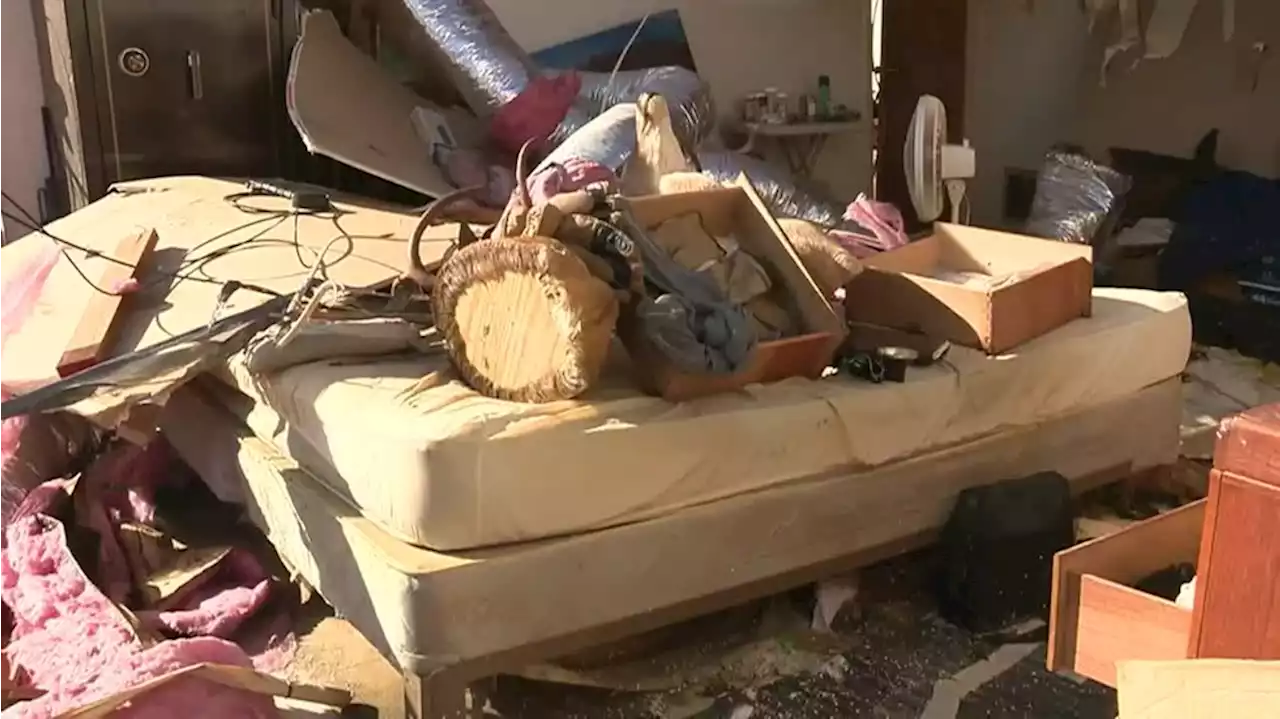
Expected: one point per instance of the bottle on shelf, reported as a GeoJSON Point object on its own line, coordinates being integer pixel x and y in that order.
{"type": "Point", "coordinates": [824, 97]}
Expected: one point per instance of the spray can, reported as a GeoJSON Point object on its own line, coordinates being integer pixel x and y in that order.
{"type": "Point", "coordinates": [824, 97]}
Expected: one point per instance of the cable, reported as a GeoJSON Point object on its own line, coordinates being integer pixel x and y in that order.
{"type": "Point", "coordinates": [626, 49]}
{"type": "Point", "coordinates": [304, 200]}
{"type": "Point", "coordinates": [185, 271]}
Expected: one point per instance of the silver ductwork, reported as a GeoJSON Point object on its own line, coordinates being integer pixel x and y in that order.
{"type": "Point", "coordinates": [490, 70]}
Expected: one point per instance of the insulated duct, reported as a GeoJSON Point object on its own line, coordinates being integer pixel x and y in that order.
{"type": "Point", "coordinates": [500, 83]}
{"type": "Point", "coordinates": [492, 72]}
{"type": "Point", "coordinates": [610, 138]}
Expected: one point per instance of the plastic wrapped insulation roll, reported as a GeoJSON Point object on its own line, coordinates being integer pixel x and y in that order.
{"type": "Point", "coordinates": [491, 71]}
{"type": "Point", "coordinates": [611, 138]}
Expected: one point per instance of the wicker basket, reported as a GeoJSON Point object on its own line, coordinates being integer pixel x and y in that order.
{"type": "Point", "coordinates": [524, 319]}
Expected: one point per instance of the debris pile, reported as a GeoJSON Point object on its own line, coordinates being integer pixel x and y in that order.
{"type": "Point", "coordinates": [594, 283]}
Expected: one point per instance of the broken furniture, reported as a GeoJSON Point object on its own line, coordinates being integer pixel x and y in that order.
{"type": "Point", "coordinates": [797, 329]}
{"type": "Point", "coordinates": [1235, 619]}
{"type": "Point", "coordinates": [490, 534]}
{"type": "Point", "coordinates": [466, 536]}
{"type": "Point", "coordinates": [975, 287]}
{"type": "Point", "coordinates": [1098, 618]}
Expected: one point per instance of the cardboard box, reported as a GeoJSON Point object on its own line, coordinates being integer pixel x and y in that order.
{"type": "Point", "coordinates": [740, 212]}
{"type": "Point", "coordinates": [979, 288]}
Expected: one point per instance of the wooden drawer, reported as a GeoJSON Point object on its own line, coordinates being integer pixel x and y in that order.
{"type": "Point", "coordinates": [1096, 618]}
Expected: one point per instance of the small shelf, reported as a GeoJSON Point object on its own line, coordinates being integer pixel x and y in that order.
{"type": "Point", "coordinates": [801, 142]}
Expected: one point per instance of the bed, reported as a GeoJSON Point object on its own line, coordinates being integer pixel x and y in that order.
{"type": "Point", "coordinates": [604, 532]}
{"type": "Point", "coordinates": [456, 470]}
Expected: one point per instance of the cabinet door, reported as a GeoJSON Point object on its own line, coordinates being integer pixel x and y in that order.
{"type": "Point", "coordinates": [187, 87]}
{"type": "Point", "coordinates": [1237, 612]}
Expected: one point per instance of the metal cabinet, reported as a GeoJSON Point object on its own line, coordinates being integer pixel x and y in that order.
{"type": "Point", "coordinates": [142, 88]}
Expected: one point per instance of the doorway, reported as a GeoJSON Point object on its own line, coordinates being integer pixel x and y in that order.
{"type": "Point", "coordinates": [918, 47]}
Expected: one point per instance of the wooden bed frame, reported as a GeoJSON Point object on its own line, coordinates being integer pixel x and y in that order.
{"type": "Point", "coordinates": [484, 613]}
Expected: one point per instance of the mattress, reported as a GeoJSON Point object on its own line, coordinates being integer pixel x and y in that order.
{"type": "Point", "coordinates": [428, 610]}
{"type": "Point", "coordinates": [437, 465]}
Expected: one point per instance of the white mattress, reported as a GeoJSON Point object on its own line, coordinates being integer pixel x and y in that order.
{"type": "Point", "coordinates": [437, 465]}
{"type": "Point", "coordinates": [428, 609]}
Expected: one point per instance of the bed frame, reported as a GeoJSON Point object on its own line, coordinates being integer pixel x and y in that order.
{"type": "Point", "coordinates": [449, 621]}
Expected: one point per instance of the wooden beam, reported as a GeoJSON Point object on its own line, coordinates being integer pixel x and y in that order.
{"type": "Point", "coordinates": [91, 342]}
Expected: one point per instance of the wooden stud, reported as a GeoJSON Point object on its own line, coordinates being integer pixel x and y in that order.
{"type": "Point", "coordinates": [91, 342]}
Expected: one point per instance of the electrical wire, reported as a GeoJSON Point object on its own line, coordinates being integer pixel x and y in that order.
{"type": "Point", "coordinates": [622, 56]}
{"type": "Point", "coordinates": [194, 265]}
{"type": "Point", "coordinates": [186, 270]}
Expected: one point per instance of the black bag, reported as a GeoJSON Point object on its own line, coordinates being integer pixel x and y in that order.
{"type": "Point", "coordinates": [996, 551]}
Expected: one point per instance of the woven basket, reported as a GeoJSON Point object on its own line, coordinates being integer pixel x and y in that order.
{"type": "Point", "coordinates": [524, 319]}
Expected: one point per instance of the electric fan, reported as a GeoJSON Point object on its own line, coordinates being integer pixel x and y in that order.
{"type": "Point", "coordinates": [930, 164]}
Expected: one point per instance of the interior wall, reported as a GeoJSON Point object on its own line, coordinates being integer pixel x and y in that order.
{"type": "Point", "coordinates": [1033, 79]}
{"type": "Point", "coordinates": [23, 164]}
{"type": "Point", "coordinates": [1024, 71]}
{"type": "Point", "coordinates": [741, 46]}
{"type": "Point", "coordinates": [1168, 105]}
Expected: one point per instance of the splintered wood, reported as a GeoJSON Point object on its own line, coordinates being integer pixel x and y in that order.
{"type": "Point", "coordinates": [235, 677]}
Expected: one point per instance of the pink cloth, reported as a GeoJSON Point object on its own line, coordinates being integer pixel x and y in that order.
{"type": "Point", "coordinates": [18, 300]}
{"type": "Point", "coordinates": [882, 221]}
{"type": "Point", "coordinates": [573, 175]}
{"type": "Point", "coordinates": [535, 113]}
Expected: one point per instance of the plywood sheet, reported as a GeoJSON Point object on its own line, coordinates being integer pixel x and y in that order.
{"type": "Point", "coordinates": [1199, 689]}
{"type": "Point", "coordinates": [193, 219]}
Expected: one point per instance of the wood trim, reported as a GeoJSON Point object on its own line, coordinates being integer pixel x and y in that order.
{"type": "Point", "coordinates": [1203, 564]}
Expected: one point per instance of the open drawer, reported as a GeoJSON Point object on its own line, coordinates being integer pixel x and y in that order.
{"type": "Point", "coordinates": [1097, 618]}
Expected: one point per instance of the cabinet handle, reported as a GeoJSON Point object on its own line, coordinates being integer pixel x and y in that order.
{"type": "Point", "coordinates": [195, 83]}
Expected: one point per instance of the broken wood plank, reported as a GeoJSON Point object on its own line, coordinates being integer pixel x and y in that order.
{"type": "Point", "coordinates": [98, 326]}
{"type": "Point", "coordinates": [166, 586]}
{"type": "Point", "coordinates": [229, 676]}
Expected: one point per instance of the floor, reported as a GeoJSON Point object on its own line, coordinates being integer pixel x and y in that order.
{"type": "Point", "coordinates": [887, 655]}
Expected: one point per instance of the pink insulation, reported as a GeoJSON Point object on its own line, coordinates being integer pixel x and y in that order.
{"type": "Point", "coordinates": [76, 647]}
{"type": "Point", "coordinates": [219, 607]}
{"type": "Point", "coordinates": [67, 633]}
{"type": "Point", "coordinates": [18, 300]}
